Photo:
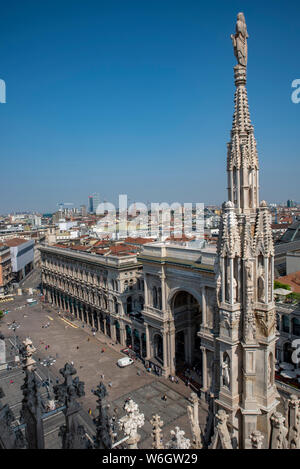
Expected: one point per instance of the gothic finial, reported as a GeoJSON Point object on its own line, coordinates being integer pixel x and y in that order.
{"type": "Point", "coordinates": [73, 435]}
{"type": "Point", "coordinates": [130, 423]}
{"type": "Point", "coordinates": [178, 440]}
{"type": "Point", "coordinates": [104, 434]}
{"type": "Point", "coordinates": [157, 424]}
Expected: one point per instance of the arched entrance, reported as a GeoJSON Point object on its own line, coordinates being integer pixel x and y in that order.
{"type": "Point", "coordinates": [187, 319]}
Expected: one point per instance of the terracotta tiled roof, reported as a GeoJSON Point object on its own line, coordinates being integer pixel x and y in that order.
{"type": "Point", "coordinates": [138, 240]}
{"type": "Point", "coordinates": [101, 243]}
{"type": "Point", "coordinates": [121, 248]}
{"type": "Point", "coordinates": [80, 248]}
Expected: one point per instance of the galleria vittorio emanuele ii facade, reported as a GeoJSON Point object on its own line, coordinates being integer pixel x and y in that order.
{"type": "Point", "coordinates": [178, 305]}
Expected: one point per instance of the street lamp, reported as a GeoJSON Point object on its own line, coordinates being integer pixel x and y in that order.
{"type": "Point", "coordinates": [48, 361]}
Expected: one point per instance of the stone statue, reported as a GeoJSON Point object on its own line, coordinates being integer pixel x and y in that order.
{"type": "Point", "coordinates": [234, 284]}
{"type": "Point", "coordinates": [239, 40]}
{"type": "Point", "coordinates": [226, 371]}
{"type": "Point", "coordinates": [261, 288]}
{"type": "Point", "coordinates": [193, 414]}
{"type": "Point", "coordinates": [257, 439]}
{"type": "Point", "coordinates": [249, 273]}
{"type": "Point", "coordinates": [221, 438]}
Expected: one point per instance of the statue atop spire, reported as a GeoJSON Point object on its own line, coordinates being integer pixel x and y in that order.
{"type": "Point", "coordinates": [239, 40]}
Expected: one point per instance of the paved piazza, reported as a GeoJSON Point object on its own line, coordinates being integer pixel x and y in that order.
{"type": "Point", "coordinates": [64, 336]}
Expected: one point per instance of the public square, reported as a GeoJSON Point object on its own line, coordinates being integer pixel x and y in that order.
{"type": "Point", "coordinates": [68, 341]}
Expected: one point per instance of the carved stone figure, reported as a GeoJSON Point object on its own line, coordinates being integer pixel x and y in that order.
{"type": "Point", "coordinates": [193, 414]}
{"type": "Point", "coordinates": [221, 438]}
{"type": "Point", "coordinates": [239, 40]}
{"type": "Point", "coordinates": [257, 439]}
{"type": "Point", "coordinates": [226, 371]}
{"type": "Point", "coordinates": [234, 288]}
{"type": "Point", "coordinates": [249, 273]}
{"type": "Point", "coordinates": [279, 432]}
{"type": "Point", "coordinates": [261, 288]}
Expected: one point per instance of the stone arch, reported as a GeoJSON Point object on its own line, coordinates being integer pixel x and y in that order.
{"type": "Point", "coordinates": [186, 311]}
{"type": "Point", "coordinates": [189, 290]}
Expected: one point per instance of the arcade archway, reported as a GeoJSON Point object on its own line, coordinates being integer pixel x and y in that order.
{"type": "Point", "coordinates": [187, 317]}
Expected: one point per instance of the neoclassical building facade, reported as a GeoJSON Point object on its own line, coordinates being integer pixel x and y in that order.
{"type": "Point", "coordinates": [156, 301]}
{"type": "Point", "coordinates": [103, 292]}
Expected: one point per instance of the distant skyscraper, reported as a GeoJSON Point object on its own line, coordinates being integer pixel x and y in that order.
{"type": "Point", "coordinates": [91, 204]}
{"type": "Point", "coordinates": [96, 201]}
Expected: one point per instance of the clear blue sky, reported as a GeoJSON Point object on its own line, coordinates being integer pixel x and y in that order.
{"type": "Point", "coordinates": [136, 97]}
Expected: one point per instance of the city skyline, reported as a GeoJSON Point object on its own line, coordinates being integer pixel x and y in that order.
{"type": "Point", "coordinates": [98, 98]}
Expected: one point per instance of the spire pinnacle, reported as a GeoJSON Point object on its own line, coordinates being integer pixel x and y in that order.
{"type": "Point", "coordinates": [242, 160]}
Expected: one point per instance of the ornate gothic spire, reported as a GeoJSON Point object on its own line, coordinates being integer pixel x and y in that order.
{"type": "Point", "coordinates": [73, 435]}
{"type": "Point", "coordinates": [242, 160]}
{"type": "Point", "coordinates": [263, 239]}
{"type": "Point", "coordinates": [104, 434]}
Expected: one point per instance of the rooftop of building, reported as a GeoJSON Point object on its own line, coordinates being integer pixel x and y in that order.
{"type": "Point", "coordinates": [292, 233]}
{"type": "Point", "coordinates": [293, 280]}
{"type": "Point", "coordinates": [15, 242]}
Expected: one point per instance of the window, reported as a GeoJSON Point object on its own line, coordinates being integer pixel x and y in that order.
{"type": "Point", "coordinates": [285, 323]}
